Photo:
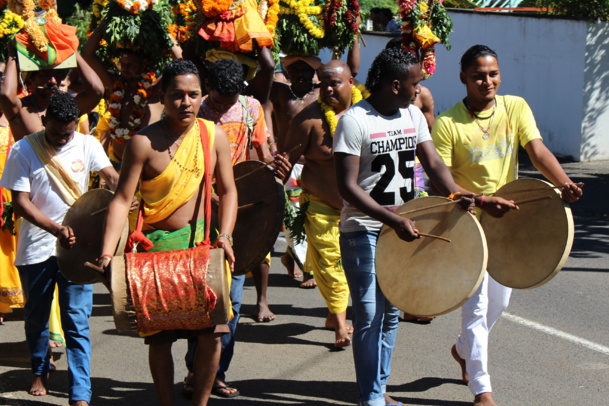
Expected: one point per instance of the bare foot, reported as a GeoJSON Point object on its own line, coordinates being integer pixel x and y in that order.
{"type": "Point", "coordinates": [461, 362]}
{"type": "Point", "coordinates": [308, 281]}
{"type": "Point", "coordinates": [264, 314]}
{"type": "Point", "coordinates": [342, 338]}
{"type": "Point", "coordinates": [484, 399]}
{"type": "Point", "coordinates": [55, 344]}
{"type": "Point", "coordinates": [290, 265]}
{"type": "Point", "coordinates": [39, 385]}
{"type": "Point", "coordinates": [80, 403]}
{"type": "Point", "coordinates": [332, 324]}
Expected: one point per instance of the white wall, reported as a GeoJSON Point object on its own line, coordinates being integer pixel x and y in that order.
{"type": "Point", "coordinates": [561, 67]}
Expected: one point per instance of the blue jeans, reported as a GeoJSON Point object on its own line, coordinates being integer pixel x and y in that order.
{"type": "Point", "coordinates": [228, 340]}
{"type": "Point", "coordinates": [75, 305]}
{"type": "Point", "coordinates": [375, 320]}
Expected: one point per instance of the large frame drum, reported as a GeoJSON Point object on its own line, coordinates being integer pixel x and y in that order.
{"type": "Point", "coordinates": [260, 215]}
{"type": "Point", "coordinates": [529, 246]}
{"type": "Point", "coordinates": [87, 218]}
{"type": "Point", "coordinates": [429, 276]}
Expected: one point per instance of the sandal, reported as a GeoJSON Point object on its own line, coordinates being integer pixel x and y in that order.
{"type": "Point", "coordinates": [223, 391]}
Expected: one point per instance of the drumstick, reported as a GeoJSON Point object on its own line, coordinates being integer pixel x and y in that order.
{"type": "Point", "coordinates": [99, 211]}
{"type": "Point", "coordinates": [265, 164]}
{"type": "Point", "coordinates": [534, 199]}
{"type": "Point", "coordinates": [437, 237]}
{"type": "Point", "coordinates": [427, 207]}
{"type": "Point", "coordinates": [102, 273]}
{"type": "Point", "coordinates": [580, 184]}
{"type": "Point", "coordinates": [247, 206]}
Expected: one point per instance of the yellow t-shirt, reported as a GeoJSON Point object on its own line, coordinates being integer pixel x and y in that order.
{"type": "Point", "coordinates": [484, 165]}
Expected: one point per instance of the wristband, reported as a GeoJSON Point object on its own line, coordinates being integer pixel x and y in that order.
{"type": "Point", "coordinates": [228, 237]}
{"type": "Point", "coordinates": [482, 200]}
{"type": "Point", "coordinates": [105, 256]}
{"type": "Point", "coordinates": [453, 195]}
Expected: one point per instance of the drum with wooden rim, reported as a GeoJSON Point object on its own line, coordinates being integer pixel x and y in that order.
{"type": "Point", "coordinates": [87, 217]}
{"type": "Point", "coordinates": [529, 246]}
{"type": "Point", "coordinates": [432, 276]}
{"type": "Point", "coordinates": [124, 311]}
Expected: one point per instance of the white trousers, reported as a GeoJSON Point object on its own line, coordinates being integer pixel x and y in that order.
{"type": "Point", "coordinates": [478, 316]}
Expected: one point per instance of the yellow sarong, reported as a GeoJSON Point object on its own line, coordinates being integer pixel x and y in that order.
{"type": "Point", "coordinates": [11, 293]}
{"type": "Point", "coordinates": [175, 186]}
{"type": "Point", "coordinates": [323, 252]}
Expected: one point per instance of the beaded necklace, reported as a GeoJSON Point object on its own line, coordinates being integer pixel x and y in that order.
{"type": "Point", "coordinates": [170, 142]}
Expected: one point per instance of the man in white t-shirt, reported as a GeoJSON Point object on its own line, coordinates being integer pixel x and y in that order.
{"type": "Point", "coordinates": [375, 146]}
{"type": "Point", "coordinates": [43, 199]}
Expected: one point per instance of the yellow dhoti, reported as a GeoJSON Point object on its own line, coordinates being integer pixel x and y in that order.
{"type": "Point", "coordinates": [323, 252]}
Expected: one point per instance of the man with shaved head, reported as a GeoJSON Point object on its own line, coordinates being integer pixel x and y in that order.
{"type": "Point", "coordinates": [310, 135]}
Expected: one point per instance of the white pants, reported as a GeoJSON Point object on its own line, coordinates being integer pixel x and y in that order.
{"type": "Point", "coordinates": [298, 251]}
{"type": "Point", "coordinates": [478, 316]}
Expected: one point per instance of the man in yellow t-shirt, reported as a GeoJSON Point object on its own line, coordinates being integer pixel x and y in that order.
{"type": "Point", "coordinates": [478, 140]}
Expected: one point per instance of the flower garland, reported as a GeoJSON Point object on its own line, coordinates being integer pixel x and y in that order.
{"type": "Point", "coordinates": [96, 13]}
{"type": "Point", "coordinates": [137, 6]}
{"type": "Point", "coordinates": [10, 23]}
{"type": "Point", "coordinates": [330, 115]}
{"type": "Point", "coordinates": [32, 26]}
{"type": "Point", "coordinates": [425, 23]}
{"type": "Point", "coordinates": [184, 27]}
{"type": "Point", "coordinates": [214, 8]}
{"type": "Point", "coordinates": [302, 9]}
{"type": "Point", "coordinates": [269, 11]}
{"type": "Point", "coordinates": [140, 100]}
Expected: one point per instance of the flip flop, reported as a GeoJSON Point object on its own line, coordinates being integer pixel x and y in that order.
{"type": "Point", "coordinates": [218, 391]}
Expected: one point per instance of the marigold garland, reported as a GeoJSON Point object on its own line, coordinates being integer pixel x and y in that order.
{"type": "Point", "coordinates": [215, 8]}
{"type": "Point", "coordinates": [140, 100]}
{"type": "Point", "coordinates": [183, 28]}
{"type": "Point", "coordinates": [302, 9]}
{"type": "Point", "coordinates": [10, 24]}
{"type": "Point", "coordinates": [32, 26]}
{"type": "Point", "coordinates": [330, 115]}
{"type": "Point", "coordinates": [269, 11]}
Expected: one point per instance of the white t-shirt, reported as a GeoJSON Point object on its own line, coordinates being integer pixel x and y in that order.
{"type": "Point", "coordinates": [25, 173]}
{"type": "Point", "coordinates": [386, 146]}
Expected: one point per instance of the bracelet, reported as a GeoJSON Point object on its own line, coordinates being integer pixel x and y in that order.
{"type": "Point", "coordinates": [482, 200]}
{"type": "Point", "coordinates": [453, 195]}
{"type": "Point", "coordinates": [105, 256]}
{"type": "Point", "coordinates": [228, 237]}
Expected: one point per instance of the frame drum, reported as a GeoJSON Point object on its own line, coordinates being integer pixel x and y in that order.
{"type": "Point", "coordinates": [429, 276]}
{"type": "Point", "coordinates": [528, 247]}
{"type": "Point", "coordinates": [260, 216]}
{"type": "Point", "coordinates": [122, 306]}
{"type": "Point", "coordinates": [87, 217]}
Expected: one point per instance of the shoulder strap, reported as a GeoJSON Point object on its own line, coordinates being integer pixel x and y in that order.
{"type": "Point", "coordinates": [207, 178]}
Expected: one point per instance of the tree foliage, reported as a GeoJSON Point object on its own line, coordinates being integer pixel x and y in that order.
{"type": "Point", "coordinates": [366, 5]}
{"type": "Point", "coordinates": [589, 9]}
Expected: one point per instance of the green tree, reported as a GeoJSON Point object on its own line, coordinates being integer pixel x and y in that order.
{"type": "Point", "coordinates": [366, 5]}
{"type": "Point", "coordinates": [589, 9]}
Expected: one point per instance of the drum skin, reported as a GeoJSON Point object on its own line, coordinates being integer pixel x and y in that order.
{"type": "Point", "coordinates": [428, 276]}
{"type": "Point", "coordinates": [261, 208]}
{"type": "Point", "coordinates": [88, 230]}
{"type": "Point", "coordinates": [529, 246]}
{"type": "Point", "coordinates": [122, 306]}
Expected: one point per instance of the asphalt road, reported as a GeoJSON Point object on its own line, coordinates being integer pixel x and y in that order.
{"type": "Point", "coordinates": [551, 348]}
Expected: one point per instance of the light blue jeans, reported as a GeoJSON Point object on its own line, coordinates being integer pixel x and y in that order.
{"type": "Point", "coordinates": [375, 320]}
{"type": "Point", "coordinates": [75, 305]}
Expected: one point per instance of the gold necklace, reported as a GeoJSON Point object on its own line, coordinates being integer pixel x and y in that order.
{"type": "Point", "coordinates": [170, 143]}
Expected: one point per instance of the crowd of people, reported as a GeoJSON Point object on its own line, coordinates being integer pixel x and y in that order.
{"type": "Point", "coordinates": [202, 118]}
